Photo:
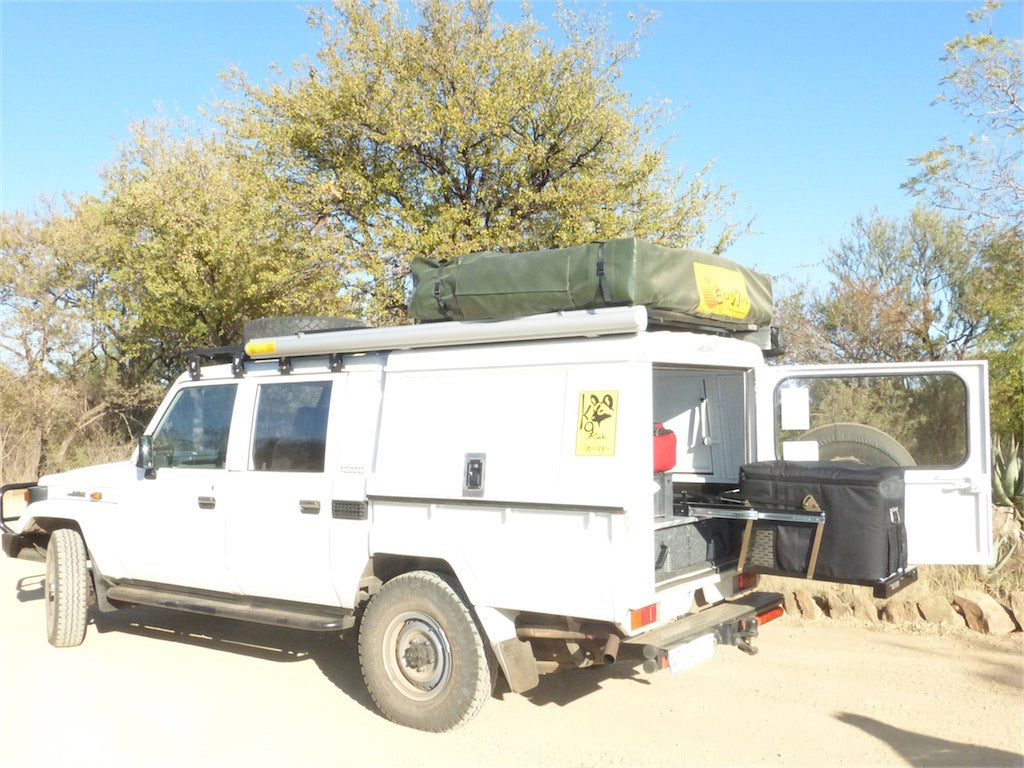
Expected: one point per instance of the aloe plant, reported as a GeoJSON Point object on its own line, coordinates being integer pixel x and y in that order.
{"type": "Point", "coordinates": [1007, 491]}
{"type": "Point", "coordinates": [1008, 474]}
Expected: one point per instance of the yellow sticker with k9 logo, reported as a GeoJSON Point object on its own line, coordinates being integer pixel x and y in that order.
{"type": "Point", "coordinates": [722, 291]}
{"type": "Point", "coordinates": [595, 423]}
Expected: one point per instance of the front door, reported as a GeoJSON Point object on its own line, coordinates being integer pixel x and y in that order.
{"type": "Point", "coordinates": [173, 529]}
{"type": "Point", "coordinates": [930, 419]}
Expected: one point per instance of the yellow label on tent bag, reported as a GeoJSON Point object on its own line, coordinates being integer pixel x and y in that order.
{"type": "Point", "coordinates": [722, 291]}
{"type": "Point", "coordinates": [596, 422]}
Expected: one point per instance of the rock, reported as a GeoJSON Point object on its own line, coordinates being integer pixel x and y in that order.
{"type": "Point", "coordinates": [1017, 607]}
{"type": "Point", "coordinates": [900, 612]}
{"type": "Point", "coordinates": [864, 609]}
{"type": "Point", "coordinates": [789, 603]}
{"type": "Point", "coordinates": [808, 607]}
{"type": "Point", "coordinates": [937, 610]}
{"type": "Point", "coordinates": [983, 613]}
{"type": "Point", "coordinates": [836, 608]}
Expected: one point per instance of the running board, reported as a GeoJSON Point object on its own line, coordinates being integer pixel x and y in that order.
{"type": "Point", "coordinates": [278, 613]}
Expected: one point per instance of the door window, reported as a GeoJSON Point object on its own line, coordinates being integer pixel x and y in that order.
{"type": "Point", "coordinates": [883, 420]}
{"type": "Point", "coordinates": [194, 431]}
{"type": "Point", "coordinates": [290, 434]}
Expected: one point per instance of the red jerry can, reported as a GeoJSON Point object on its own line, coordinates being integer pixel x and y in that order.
{"type": "Point", "coordinates": [664, 448]}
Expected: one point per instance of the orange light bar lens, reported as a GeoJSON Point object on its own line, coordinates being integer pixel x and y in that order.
{"type": "Point", "coordinates": [774, 613]}
{"type": "Point", "coordinates": [747, 581]}
{"type": "Point", "coordinates": [260, 348]}
{"type": "Point", "coordinates": [641, 617]}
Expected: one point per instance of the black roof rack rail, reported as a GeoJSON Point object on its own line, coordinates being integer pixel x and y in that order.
{"type": "Point", "coordinates": [234, 354]}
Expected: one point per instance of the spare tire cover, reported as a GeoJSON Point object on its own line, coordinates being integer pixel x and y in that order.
{"type": "Point", "coordinates": [858, 443]}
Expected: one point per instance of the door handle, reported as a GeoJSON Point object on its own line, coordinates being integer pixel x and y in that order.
{"type": "Point", "coordinates": [207, 502]}
{"type": "Point", "coordinates": [309, 507]}
{"type": "Point", "coordinates": [961, 486]}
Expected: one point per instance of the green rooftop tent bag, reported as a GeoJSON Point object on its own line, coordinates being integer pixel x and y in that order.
{"type": "Point", "coordinates": [627, 271]}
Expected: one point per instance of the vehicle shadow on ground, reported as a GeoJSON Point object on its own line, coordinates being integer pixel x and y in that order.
{"type": "Point", "coordinates": [564, 687]}
{"type": "Point", "coordinates": [30, 588]}
{"type": "Point", "coordinates": [920, 750]}
{"type": "Point", "coordinates": [335, 656]}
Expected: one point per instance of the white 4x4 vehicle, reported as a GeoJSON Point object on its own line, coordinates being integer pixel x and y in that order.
{"type": "Point", "coordinates": [479, 497]}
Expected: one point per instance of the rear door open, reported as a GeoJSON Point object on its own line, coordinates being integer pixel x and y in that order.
{"type": "Point", "coordinates": [931, 420]}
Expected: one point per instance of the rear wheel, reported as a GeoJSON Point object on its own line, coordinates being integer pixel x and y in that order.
{"type": "Point", "coordinates": [66, 589]}
{"type": "Point", "coordinates": [423, 658]}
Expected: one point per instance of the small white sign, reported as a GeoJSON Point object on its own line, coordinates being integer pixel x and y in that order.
{"type": "Point", "coordinates": [800, 450]}
{"type": "Point", "coordinates": [691, 654]}
{"type": "Point", "coordinates": [796, 407]}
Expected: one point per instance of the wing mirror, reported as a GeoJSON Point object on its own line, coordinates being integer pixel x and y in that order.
{"type": "Point", "coordinates": [145, 460]}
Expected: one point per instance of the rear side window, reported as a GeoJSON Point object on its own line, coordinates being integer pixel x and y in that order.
{"type": "Point", "coordinates": [886, 420]}
{"type": "Point", "coordinates": [194, 431]}
{"type": "Point", "coordinates": [290, 434]}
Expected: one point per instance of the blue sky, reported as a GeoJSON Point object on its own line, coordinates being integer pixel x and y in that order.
{"type": "Point", "coordinates": [810, 109]}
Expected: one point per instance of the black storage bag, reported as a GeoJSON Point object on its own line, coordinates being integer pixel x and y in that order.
{"type": "Point", "coordinates": [864, 539]}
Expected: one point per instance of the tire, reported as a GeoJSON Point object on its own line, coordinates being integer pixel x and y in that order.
{"type": "Point", "coordinates": [423, 658]}
{"type": "Point", "coordinates": [860, 444]}
{"type": "Point", "coordinates": [285, 326]}
{"type": "Point", "coordinates": [66, 589]}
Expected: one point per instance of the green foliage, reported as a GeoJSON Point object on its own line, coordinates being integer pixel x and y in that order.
{"type": "Point", "coordinates": [440, 129]}
{"type": "Point", "coordinates": [982, 179]}
{"type": "Point", "coordinates": [911, 289]}
{"type": "Point", "coordinates": [1008, 474]}
{"type": "Point", "coordinates": [924, 288]}
{"type": "Point", "coordinates": [200, 239]}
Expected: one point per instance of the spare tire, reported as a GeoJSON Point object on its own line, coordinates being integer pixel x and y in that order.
{"type": "Point", "coordinates": [860, 444]}
{"type": "Point", "coordinates": [264, 327]}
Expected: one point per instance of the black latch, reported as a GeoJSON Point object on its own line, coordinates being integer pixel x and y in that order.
{"type": "Point", "coordinates": [473, 477]}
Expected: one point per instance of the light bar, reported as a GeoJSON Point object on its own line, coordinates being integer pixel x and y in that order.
{"type": "Point", "coordinates": [558, 325]}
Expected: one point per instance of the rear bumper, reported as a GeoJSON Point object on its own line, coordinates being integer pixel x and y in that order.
{"type": "Point", "coordinates": [734, 622]}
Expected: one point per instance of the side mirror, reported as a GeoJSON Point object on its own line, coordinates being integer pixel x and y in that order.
{"type": "Point", "coordinates": [145, 460]}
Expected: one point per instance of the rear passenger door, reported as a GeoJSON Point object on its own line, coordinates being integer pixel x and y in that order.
{"type": "Point", "coordinates": [930, 419]}
{"type": "Point", "coordinates": [279, 519]}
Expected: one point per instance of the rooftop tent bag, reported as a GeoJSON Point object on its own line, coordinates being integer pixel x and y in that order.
{"type": "Point", "coordinates": [700, 286]}
{"type": "Point", "coordinates": [864, 539]}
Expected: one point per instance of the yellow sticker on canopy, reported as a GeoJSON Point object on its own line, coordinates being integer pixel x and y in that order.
{"type": "Point", "coordinates": [595, 423]}
{"type": "Point", "coordinates": [722, 291]}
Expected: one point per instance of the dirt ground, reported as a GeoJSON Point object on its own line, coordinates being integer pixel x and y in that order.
{"type": "Point", "coordinates": [153, 688]}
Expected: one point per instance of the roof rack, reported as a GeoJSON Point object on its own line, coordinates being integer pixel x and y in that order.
{"type": "Point", "coordinates": [234, 354]}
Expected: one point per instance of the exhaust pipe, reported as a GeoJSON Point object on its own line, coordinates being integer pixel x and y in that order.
{"type": "Point", "coordinates": [611, 649]}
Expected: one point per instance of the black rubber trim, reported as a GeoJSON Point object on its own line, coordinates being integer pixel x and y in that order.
{"type": "Point", "coordinates": [3, 490]}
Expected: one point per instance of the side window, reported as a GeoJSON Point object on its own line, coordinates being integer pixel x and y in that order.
{"type": "Point", "coordinates": [194, 431]}
{"type": "Point", "coordinates": [889, 420]}
{"type": "Point", "coordinates": [291, 427]}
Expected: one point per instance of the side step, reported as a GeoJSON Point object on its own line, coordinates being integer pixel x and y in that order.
{"type": "Point", "coordinates": [734, 622]}
{"type": "Point", "coordinates": [278, 613]}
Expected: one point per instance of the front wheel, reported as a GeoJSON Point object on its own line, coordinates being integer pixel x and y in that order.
{"type": "Point", "coordinates": [423, 658]}
{"type": "Point", "coordinates": [66, 589]}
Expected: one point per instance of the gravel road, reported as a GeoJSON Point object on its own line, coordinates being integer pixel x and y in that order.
{"type": "Point", "coordinates": [153, 688]}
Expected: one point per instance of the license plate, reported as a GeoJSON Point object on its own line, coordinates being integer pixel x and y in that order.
{"type": "Point", "coordinates": [691, 654]}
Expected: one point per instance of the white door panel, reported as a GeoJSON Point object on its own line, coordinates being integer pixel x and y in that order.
{"type": "Point", "coordinates": [948, 500]}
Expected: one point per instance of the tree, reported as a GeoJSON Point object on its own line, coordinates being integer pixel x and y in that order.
{"type": "Point", "coordinates": [198, 240]}
{"type": "Point", "coordinates": [982, 179]}
{"type": "Point", "coordinates": [924, 288]}
{"type": "Point", "coordinates": [442, 130]}
{"type": "Point", "coordinates": [53, 401]}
